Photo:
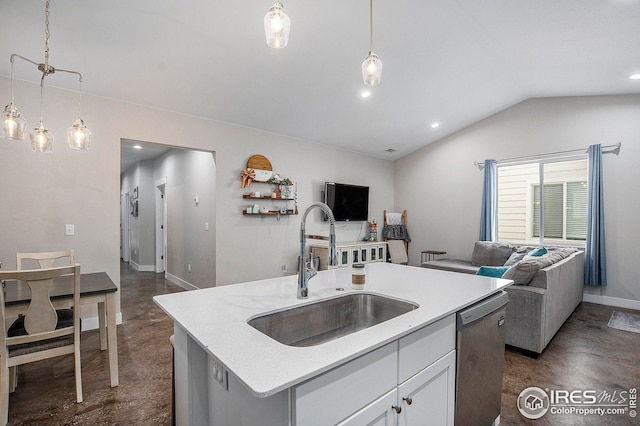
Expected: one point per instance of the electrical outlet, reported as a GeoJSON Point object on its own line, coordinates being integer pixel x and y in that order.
{"type": "Point", "coordinates": [69, 229]}
{"type": "Point", "coordinates": [188, 267]}
{"type": "Point", "coordinates": [284, 268]}
{"type": "Point", "coordinates": [219, 373]}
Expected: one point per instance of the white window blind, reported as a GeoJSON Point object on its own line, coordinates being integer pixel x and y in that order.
{"type": "Point", "coordinates": [565, 211]}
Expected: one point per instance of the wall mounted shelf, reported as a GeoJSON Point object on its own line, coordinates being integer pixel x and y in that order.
{"type": "Point", "coordinates": [266, 197]}
{"type": "Point", "coordinates": [270, 213]}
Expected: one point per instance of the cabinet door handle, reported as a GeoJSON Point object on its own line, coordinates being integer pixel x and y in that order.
{"type": "Point", "coordinates": [408, 399]}
{"type": "Point", "coordinates": [397, 408]}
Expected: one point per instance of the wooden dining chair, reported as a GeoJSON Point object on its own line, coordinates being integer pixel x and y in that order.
{"type": "Point", "coordinates": [38, 260]}
{"type": "Point", "coordinates": [46, 259]}
{"type": "Point", "coordinates": [42, 332]}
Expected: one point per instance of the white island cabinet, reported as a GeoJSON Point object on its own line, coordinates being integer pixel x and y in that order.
{"type": "Point", "coordinates": [400, 372]}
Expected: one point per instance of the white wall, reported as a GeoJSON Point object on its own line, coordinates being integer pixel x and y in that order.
{"type": "Point", "coordinates": [43, 192]}
{"type": "Point", "coordinates": [141, 227]}
{"type": "Point", "coordinates": [189, 174]}
{"type": "Point", "coordinates": [442, 189]}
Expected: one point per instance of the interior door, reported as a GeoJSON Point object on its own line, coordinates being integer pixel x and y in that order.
{"type": "Point", "coordinates": [125, 248]}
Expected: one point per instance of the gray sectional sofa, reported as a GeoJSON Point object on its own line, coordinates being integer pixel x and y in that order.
{"type": "Point", "coordinates": [546, 289]}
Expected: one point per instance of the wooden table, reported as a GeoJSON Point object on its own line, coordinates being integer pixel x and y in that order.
{"type": "Point", "coordinates": [95, 288]}
{"type": "Point", "coordinates": [428, 255]}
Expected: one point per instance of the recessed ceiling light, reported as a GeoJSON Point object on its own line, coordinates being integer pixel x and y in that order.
{"type": "Point", "coordinates": [635, 76]}
{"type": "Point", "coordinates": [435, 125]}
{"type": "Point", "coordinates": [365, 93]}
{"type": "Point", "coordinates": [137, 147]}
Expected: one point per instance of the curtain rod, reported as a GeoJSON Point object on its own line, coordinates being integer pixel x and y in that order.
{"type": "Point", "coordinates": [613, 148]}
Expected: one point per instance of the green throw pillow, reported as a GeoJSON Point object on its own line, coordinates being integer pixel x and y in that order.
{"type": "Point", "coordinates": [492, 271]}
{"type": "Point", "coordinates": [538, 252]}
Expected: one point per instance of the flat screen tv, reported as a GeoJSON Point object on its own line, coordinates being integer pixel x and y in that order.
{"type": "Point", "coordinates": [347, 202]}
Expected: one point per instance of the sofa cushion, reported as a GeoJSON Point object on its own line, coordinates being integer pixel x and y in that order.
{"type": "Point", "coordinates": [522, 272]}
{"type": "Point", "coordinates": [487, 253]}
{"type": "Point", "coordinates": [492, 271]}
{"type": "Point", "coordinates": [514, 258]}
{"type": "Point", "coordinates": [537, 252]}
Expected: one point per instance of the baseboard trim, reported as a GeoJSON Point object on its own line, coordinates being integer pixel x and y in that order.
{"type": "Point", "coordinates": [612, 301]}
{"type": "Point", "coordinates": [143, 268]}
{"type": "Point", "coordinates": [179, 281]}
{"type": "Point", "coordinates": [91, 323]}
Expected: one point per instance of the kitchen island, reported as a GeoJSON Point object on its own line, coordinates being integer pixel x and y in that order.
{"type": "Point", "coordinates": [227, 372]}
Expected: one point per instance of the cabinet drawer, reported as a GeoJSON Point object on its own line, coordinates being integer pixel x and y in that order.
{"type": "Point", "coordinates": [423, 347]}
{"type": "Point", "coordinates": [335, 395]}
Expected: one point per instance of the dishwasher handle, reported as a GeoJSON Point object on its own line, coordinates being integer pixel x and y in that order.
{"type": "Point", "coordinates": [481, 309]}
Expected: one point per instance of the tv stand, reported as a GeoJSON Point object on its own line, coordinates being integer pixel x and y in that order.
{"type": "Point", "coordinates": [349, 253]}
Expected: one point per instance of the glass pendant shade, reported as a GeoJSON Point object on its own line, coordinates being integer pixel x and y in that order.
{"type": "Point", "coordinates": [372, 70]}
{"type": "Point", "coordinates": [276, 26]}
{"type": "Point", "coordinates": [41, 140]}
{"type": "Point", "coordinates": [78, 135]}
{"type": "Point", "coordinates": [14, 126]}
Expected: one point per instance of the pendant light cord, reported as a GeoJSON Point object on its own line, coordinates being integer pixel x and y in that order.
{"type": "Point", "coordinates": [370, 25]}
{"type": "Point", "coordinates": [12, 56]}
{"type": "Point", "coordinates": [45, 71]}
{"type": "Point", "coordinates": [47, 34]}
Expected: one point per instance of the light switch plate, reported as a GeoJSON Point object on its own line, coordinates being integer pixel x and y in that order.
{"type": "Point", "coordinates": [69, 229]}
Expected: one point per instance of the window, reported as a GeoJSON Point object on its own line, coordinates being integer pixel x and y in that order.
{"type": "Point", "coordinates": [565, 211]}
{"type": "Point", "coordinates": [542, 201]}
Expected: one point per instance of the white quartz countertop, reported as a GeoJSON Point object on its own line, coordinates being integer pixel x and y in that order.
{"type": "Point", "coordinates": [216, 318]}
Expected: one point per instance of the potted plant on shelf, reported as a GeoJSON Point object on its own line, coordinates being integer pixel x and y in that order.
{"type": "Point", "coordinates": [284, 184]}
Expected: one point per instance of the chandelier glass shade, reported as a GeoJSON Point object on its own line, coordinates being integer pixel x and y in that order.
{"type": "Point", "coordinates": [372, 69]}
{"type": "Point", "coordinates": [276, 26]}
{"type": "Point", "coordinates": [14, 125]}
{"type": "Point", "coordinates": [78, 135]}
{"type": "Point", "coordinates": [41, 139]}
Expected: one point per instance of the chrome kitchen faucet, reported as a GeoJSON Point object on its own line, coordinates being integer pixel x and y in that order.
{"type": "Point", "coordinates": [306, 270]}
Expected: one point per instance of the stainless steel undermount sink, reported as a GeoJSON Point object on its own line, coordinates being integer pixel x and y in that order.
{"type": "Point", "coordinates": [329, 319]}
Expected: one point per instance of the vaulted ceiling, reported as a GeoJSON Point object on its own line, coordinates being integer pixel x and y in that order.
{"type": "Point", "coordinates": [453, 62]}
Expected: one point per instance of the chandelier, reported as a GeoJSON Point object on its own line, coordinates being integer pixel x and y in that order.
{"type": "Point", "coordinates": [14, 126]}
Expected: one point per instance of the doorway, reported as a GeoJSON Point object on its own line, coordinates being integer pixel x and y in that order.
{"type": "Point", "coordinates": [173, 231]}
{"type": "Point", "coordinates": [161, 225]}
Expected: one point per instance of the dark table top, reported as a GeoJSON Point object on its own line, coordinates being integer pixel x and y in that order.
{"type": "Point", "coordinates": [90, 284]}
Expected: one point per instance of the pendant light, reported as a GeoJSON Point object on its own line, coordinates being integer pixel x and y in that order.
{"type": "Point", "coordinates": [372, 65]}
{"type": "Point", "coordinates": [13, 126]}
{"type": "Point", "coordinates": [78, 136]}
{"type": "Point", "coordinates": [276, 26]}
{"type": "Point", "coordinates": [41, 140]}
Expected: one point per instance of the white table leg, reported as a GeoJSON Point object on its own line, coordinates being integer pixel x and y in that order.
{"type": "Point", "coordinates": [112, 338]}
{"type": "Point", "coordinates": [102, 326]}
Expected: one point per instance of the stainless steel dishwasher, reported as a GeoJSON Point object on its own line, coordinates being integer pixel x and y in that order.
{"type": "Point", "coordinates": [480, 351]}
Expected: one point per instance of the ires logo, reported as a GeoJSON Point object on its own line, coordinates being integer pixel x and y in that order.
{"type": "Point", "coordinates": [534, 402]}
{"type": "Point", "coordinates": [576, 397]}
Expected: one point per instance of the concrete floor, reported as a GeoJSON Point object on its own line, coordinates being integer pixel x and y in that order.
{"type": "Point", "coordinates": [585, 354]}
